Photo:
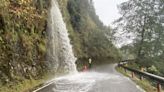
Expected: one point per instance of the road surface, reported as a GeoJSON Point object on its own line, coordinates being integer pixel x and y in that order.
{"type": "Point", "coordinates": [100, 79]}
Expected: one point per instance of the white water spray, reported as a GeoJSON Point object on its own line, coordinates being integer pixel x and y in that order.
{"type": "Point", "coordinates": [60, 54]}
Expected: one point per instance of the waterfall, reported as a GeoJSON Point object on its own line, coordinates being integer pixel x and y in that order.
{"type": "Point", "coordinates": [60, 53]}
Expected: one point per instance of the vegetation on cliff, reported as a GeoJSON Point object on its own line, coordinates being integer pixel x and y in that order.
{"type": "Point", "coordinates": [23, 37]}
{"type": "Point", "coordinates": [22, 40]}
{"type": "Point", "coordinates": [90, 38]}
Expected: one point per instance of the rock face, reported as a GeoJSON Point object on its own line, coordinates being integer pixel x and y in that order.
{"type": "Point", "coordinates": [20, 65]}
{"type": "Point", "coordinates": [60, 54]}
{"type": "Point", "coordinates": [22, 39]}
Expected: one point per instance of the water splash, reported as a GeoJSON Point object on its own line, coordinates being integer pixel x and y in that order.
{"type": "Point", "coordinates": [59, 54]}
{"type": "Point", "coordinates": [80, 82]}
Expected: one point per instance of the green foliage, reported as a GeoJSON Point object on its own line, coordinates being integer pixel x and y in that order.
{"type": "Point", "coordinates": [75, 17]}
{"type": "Point", "coordinates": [87, 33]}
{"type": "Point", "coordinates": [153, 70]}
{"type": "Point", "coordinates": [22, 39]}
{"type": "Point", "coordinates": [144, 20]}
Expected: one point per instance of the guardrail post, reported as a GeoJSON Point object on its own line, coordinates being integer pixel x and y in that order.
{"type": "Point", "coordinates": [119, 66]}
{"type": "Point", "coordinates": [132, 74]}
{"type": "Point", "coordinates": [141, 77]}
{"type": "Point", "coordinates": [125, 70]}
{"type": "Point", "coordinates": [142, 70]}
{"type": "Point", "coordinates": [158, 87]}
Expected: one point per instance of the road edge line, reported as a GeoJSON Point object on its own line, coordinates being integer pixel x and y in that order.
{"type": "Point", "coordinates": [46, 85]}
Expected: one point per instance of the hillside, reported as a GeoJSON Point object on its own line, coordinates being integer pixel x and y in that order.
{"type": "Point", "coordinates": [23, 40]}
{"type": "Point", "coordinates": [87, 32]}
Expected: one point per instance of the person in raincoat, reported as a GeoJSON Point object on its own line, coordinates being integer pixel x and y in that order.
{"type": "Point", "coordinates": [90, 63]}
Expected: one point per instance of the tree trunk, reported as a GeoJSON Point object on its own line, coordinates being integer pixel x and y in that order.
{"type": "Point", "coordinates": [141, 43]}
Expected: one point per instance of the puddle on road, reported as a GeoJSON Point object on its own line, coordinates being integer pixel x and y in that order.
{"type": "Point", "coordinates": [81, 82]}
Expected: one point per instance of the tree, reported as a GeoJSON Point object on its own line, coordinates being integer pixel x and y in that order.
{"type": "Point", "coordinates": [143, 18]}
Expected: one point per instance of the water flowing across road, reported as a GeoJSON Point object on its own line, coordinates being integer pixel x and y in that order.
{"type": "Point", "coordinates": [100, 79]}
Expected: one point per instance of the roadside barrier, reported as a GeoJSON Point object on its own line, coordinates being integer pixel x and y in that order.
{"type": "Point", "coordinates": [157, 79]}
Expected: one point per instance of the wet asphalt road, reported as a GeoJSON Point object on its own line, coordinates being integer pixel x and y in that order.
{"type": "Point", "coordinates": [100, 79]}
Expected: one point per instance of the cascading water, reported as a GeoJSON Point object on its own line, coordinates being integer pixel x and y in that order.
{"type": "Point", "coordinates": [60, 54]}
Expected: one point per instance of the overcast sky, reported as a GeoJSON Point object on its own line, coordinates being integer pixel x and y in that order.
{"type": "Point", "coordinates": [107, 10]}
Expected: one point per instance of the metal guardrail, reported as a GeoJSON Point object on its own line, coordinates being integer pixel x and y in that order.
{"type": "Point", "coordinates": [158, 79]}
{"type": "Point", "coordinates": [145, 74]}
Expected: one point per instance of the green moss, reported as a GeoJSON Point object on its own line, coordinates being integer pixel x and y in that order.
{"type": "Point", "coordinates": [27, 85]}
{"type": "Point", "coordinates": [21, 87]}
{"type": "Point", "coordinates": [22, 39]}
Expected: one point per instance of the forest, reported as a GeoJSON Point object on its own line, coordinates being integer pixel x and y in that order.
{"type": "Point", "coordinates": [144, 20]}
